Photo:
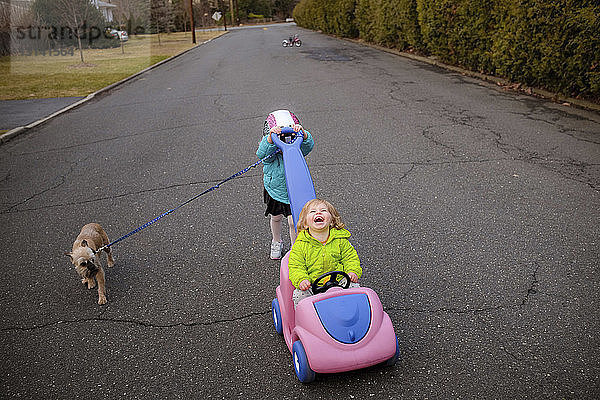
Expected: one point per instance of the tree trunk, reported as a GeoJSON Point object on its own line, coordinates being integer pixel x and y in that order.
{"type": "Point", "coordinates": [80, 49]}
{"type": "Point", "coordinates": [78, 33]}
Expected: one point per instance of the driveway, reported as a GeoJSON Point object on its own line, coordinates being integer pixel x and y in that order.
{"type": "Point", "coordinates": [16, 113]}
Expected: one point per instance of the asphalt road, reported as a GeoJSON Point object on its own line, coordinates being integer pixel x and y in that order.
{"type": "Point", "coordinates": [475, 213]}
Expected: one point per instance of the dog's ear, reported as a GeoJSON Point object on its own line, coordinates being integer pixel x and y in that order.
{"type": "Point", "coordinates": [84, 243]}
{"type": "Point", "coordinates": [69, 254]}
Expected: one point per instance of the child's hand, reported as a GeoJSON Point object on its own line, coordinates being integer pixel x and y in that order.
{"type": "Point", "coordinates": [298, 128]}
{"type": "Point", "coordinates": [353, 277]}
{"type": "Point", "coordinates": [305, 285]}
{"type": "Point", "coordinates": [276, 130]}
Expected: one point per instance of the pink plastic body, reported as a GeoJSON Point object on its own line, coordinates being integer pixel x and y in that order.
{"type": "Point", "coordinates": [325, 354]}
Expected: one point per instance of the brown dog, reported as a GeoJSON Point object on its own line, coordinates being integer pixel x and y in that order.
{"type": "Point", "coordinates": [86, 261]}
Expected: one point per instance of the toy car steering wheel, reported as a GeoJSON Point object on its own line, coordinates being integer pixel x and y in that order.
{"type": "Point", "coordinates": [344, 283]}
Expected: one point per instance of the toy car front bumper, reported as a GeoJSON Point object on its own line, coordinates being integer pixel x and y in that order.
{"type": "Point", "coordinates": [326, 357]}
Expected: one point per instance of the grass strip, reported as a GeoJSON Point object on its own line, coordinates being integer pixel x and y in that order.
{"type": "Point", "coordinates": [45, 76]}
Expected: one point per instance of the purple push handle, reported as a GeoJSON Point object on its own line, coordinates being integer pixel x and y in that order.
{"type": "Point", "coordinates": [300, 186]}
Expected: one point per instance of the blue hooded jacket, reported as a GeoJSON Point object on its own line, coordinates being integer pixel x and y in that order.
{"type": "Point", "coordinates": [273, 170]}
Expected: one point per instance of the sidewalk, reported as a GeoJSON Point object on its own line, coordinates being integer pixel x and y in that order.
{"type": "Point", "coordinates": [16, 113]}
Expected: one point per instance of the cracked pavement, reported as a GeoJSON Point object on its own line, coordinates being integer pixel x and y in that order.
{"type": "Point", "coordinates": [474, 210]}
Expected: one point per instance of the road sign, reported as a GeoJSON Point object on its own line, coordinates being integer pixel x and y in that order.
{"type": "Point", "coordinates": [216, 16]}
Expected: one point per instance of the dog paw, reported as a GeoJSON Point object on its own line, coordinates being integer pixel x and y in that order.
{"type": "Point", "coordinates": [91, 284]}
{"type": "Point", "coordinates": [101, 300]}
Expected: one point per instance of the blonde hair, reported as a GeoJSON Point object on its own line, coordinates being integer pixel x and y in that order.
{"type": "Point", "coordinates": [336, 220]}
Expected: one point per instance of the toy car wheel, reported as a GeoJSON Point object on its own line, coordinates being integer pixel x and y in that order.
{"type": "Point", "coordinates": [395, 357]}
{"type": "Point", "coordinates": [277, 316]}
{"type": "Point", "coordinates": [298, 43]}
{"type": "Point", "coordinates": [303, 371]}
{"type": "Point", "coordinates": [284, 43]}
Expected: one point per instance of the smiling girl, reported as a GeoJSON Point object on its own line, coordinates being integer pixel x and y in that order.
{"type": "Point", "coordinates": [322, 246]}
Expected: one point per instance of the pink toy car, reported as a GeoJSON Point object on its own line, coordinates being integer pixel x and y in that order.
{"type": "Point", "coordinates": [335, 330]}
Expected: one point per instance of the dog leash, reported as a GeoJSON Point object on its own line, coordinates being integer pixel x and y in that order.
{"type": "Point", "coordinates": [147, 224]}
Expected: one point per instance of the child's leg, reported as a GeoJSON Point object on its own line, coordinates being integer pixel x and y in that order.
{"type": "Point", "coordinates": [292, 229]}
{"type": "Point", "coordinates": [300, 295]}
{"type": "Point", "coordinates": [276, 221]}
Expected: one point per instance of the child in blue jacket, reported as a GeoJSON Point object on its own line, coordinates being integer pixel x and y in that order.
{"type": "Point", "coordinates": [275, 189]}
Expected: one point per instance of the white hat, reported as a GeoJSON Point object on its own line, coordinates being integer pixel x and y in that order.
{"type": "Point", "coordinates": [280, 118]}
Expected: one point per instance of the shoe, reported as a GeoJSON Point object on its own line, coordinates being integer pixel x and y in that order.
{"type": "Point", "coordinates": [276, 250]}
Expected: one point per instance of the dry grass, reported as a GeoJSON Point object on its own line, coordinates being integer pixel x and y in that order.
{"type": "Point", "coordinates": [31, 77]}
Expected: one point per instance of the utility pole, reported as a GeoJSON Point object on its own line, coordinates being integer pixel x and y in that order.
{"type": "Point", "coordinates": [192, 21]}
{"type": "Point", "coordinates": [223, 12]}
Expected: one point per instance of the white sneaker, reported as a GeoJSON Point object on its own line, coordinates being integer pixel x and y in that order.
{"type": "Point", "coordinates": [276, 250]}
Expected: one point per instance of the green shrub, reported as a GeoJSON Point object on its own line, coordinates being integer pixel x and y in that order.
{"type": "Point", "coordinates": [331, 16]}
{"type": "Point", "coordinates": [104, 42]}
{"type": "Point", "coordinates": [552, 44]}
{"type": "Point", "coordinates": [459, 32]}
{"type": "Point", "coordinates": [391, 23]}
{"type": "Point", "coordinates": [342, 22]}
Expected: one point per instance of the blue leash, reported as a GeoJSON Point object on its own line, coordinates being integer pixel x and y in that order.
{"type": "Point", "coordinates": [147, 224]}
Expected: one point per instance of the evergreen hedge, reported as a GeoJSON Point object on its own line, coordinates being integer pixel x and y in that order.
{"type": "Point", "coordinates": [550, 44]}
{"type": "Point", "coordinates": [331, 16]}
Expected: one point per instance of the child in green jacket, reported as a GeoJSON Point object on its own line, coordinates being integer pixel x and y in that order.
{"type": "Point", "coordinates": [322, 246]}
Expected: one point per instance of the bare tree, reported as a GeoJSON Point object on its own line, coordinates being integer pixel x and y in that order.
{"type": "Point", "coordinates": [16, 20]}
{"type": "Point", "coordinates": [75, 17]}
{"type": "Point", "coordinates": [71, 18]}
{"type": "Point", "coordinates": [134, 14]}
{"type": "Point", "coordinates": [161, 16]}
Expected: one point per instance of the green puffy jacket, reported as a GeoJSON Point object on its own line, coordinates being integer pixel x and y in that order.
{"type": "Point", "coordinates": [309, 258]}
{"type": "Point", "coordinates": [274, 172]}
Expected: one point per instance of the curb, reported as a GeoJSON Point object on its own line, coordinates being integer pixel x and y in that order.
{"type": "Point", "coordinates": [18, 130]}
{"type": "Point", "coordinates": [512, 86]}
